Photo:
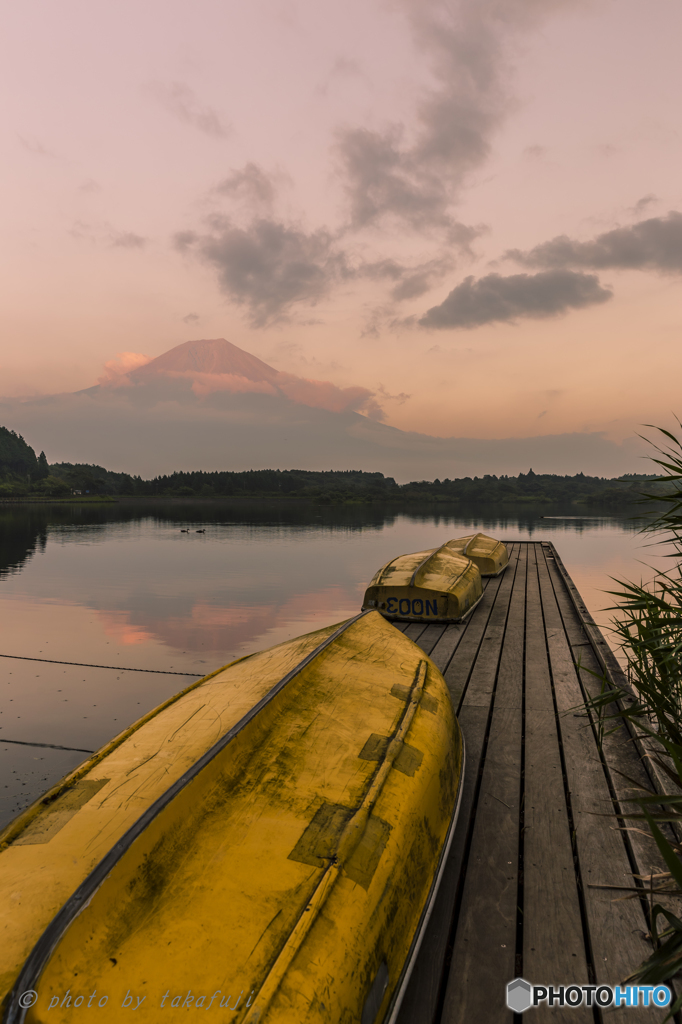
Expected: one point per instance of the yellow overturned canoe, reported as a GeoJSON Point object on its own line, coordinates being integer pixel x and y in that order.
{"type": "Point", "coordinates": [269, 842]}
{"type": "Point", "coordinates": [490, 556]}
{"type": "Point", "coordinates": [437, 585]}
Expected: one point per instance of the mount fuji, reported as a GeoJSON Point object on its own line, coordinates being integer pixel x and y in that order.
{"type": "Point", "coordinates": [209, 404]}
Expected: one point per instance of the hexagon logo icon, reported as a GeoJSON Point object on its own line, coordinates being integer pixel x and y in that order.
{"type": "Point", "coordinates": [518, 995]}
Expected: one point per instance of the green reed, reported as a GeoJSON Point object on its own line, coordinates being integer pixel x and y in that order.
{"type": "Point", "coordinates": [648, 628]}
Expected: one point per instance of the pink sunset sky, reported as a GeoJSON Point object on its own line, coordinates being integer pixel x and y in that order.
{"type": "Point", "coordinates": [472, 208]}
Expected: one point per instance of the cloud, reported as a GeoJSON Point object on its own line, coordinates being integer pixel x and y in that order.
{"type": "Point", "coordinates": [116, 370]}
{"type": "Point", "coordinates": [343, 68]}
{"type": "Point", "coordinates": [35, 148]}
{"type": "Point", "coordinates": [128, 240]}
{"type": "Point", "coordinates": [182, 102]}
{"type": "Point", "coordinates": [250, 185]}
{"type": "Point", "coordinates": [323, 395]}
{"type": "Point", "coordinates": [191, 318]}
{"type": "Point", "coordinates": [654, 244]}
{"type": "Point", "coordinates": [391, 175]}
{"type": "Point", "coordinates": [642, 203]}
{"type": "Point", "coordinates": [104, 234]}
{"type": "Point", "coordinates": [409, 281]}
{"type": "Point", "coordinates": [114, 428]}
{"type": "Point", "coordinates": [269, 266]}
{"type": "Point", "coordinates": [495, 298]}
{"type": "Point", "coordinates": [415, 179]}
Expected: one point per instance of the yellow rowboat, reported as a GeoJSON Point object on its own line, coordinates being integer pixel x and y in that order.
{"type": "Point", "coordinates": [269, 842]}
{"type": "Point", "coordinates": [437, 585]}
{"type": "Point", "coordinates": [488, 555]}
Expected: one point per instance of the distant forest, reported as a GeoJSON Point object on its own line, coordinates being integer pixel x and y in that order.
{"type": "Point", "coordinates": [25, 475]}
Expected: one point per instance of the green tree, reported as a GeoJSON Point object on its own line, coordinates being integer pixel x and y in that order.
{"type": "Point", "coordinates": [43, 468]}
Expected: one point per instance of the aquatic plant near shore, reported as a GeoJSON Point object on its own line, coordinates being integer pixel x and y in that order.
{"type": "Point", "coordinates": [648, 628]}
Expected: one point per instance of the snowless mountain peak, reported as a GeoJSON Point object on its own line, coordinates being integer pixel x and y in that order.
{"type": "Point", "coordinates": [214, 356]}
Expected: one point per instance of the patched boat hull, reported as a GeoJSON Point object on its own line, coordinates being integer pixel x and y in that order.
{"type": "Point", "coordinates": [286, 872]}
{"type": "Point", "coordinates": [437, 585]}
{"type": "Point", "coordinates": [490, 556]}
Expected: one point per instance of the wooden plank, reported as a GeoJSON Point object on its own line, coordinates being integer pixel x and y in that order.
{"type": "Point", "coordinates": [481, 649]}
{"type": "Point", "coordinates": [414, 630]}
{"type": "Point", "coordinates": [421, 1004]}
{"type": "Point", "coordinates": [484, 946]}
{"type": "Point", "coordinates": [430, 637]}
{"type": "Point", "coordinates": [646, 747]}
{"type": "Point", "coordinates": [616, 927]}
{"type": "Point", "coordinates": [623, 761]}
{"type": "Point", "coordinates": [443, 650]}
{"type": "Point", "coordinates": [446, 646]}
{"type": "Point", "coordinates": [553, 939]}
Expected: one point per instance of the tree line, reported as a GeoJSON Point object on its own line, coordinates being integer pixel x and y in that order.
{"type": "Point", "coordinates": [23, 474]}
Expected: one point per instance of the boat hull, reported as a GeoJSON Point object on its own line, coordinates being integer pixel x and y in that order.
{"type": "Point", "coordinates": [437, 585]}
{"type": "Point", "coordinates": [288, 872]}
{"type": "Point", "coordinates": [490, 556]}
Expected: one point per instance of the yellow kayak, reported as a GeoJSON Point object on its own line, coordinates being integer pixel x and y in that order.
{"type": "Point", "coordinates": [269, 843]}
{"type": "Point", "coordinates": [488, 555]}
{"type": "Point", "coordinates": [437, 585]}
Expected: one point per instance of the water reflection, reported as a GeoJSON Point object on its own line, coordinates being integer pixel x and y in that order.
{"type": "Point", "coordinates": [122, 586]}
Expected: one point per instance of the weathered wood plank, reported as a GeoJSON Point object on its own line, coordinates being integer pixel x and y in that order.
{"type": "Point", "coordinates": [443, 650]}
{"type": "Point", "coordinates": [553, 938]}
{"type": "Point", "coordinates": [421, 1004]}
{"type": "Point", "coordinates": [482, 649]}
{"type": "Point", "coordinates": [494, 604]}
{"type": "Point", "coordinates": [486, 926]}
{"type": "Point", "coordinates": [414, 630]}
{"type": "Point", "coordinates": [616, 927]}
{"type": "Point", "coordinates": [622, 759]}
{"type": "Point", "coordinates": [430, 637]}
{"type": "Point", "coordinates": [591, 637]}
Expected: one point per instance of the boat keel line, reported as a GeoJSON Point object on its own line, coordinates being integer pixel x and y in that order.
{"type": "Point", "coordinates": [348, 841]}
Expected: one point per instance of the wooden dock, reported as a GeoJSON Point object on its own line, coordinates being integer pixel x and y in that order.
{"type": "Point", "coordinates": [538, 834]}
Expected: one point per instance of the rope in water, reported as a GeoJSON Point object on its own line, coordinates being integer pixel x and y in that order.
{"type": "Point", "coordinates": [52, 746]}
{"type": "Point", "coordinates": [115, 668]}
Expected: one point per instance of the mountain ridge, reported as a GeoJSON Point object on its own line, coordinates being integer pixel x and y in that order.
{"type": "Point", "coordinates": [189, 410]}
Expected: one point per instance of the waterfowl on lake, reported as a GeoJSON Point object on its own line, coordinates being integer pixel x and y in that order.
{"type": "Point", "coordinates": [272, 837]}
{"type": "Point", "coordinates": [436, 585]}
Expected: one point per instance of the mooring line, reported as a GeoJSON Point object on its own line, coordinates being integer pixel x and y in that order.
{"type": "Point", "coordinates": [114, 668]}
{"type": "Point", "coordinates": [52, 746]}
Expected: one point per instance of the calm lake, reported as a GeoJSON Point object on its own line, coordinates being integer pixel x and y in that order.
{"type": "Point", "coordinates": [121, 585]}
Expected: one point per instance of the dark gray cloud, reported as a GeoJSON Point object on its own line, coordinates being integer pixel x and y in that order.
{"type": "Point", "coordinates": [268, 266]}
{"type": "Point", "coordinates": [411, 178]}
{"type": "Point", "coordinates": [641, 204]}
{"type": "Point", "coordinates": [495, 298]}
{"type": "Point", "coordinates": [416, 179]}
{"type": "Point", "coordinates": [182, 102]}
{"type": "Point", "coordinates": [250, 185]}
{"type": "Point", "coordinates": [128, 240]}
{"type": "Point", "coordinates": [409, 282]}
{"type": "Point", "coordinates": [654, 244]}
